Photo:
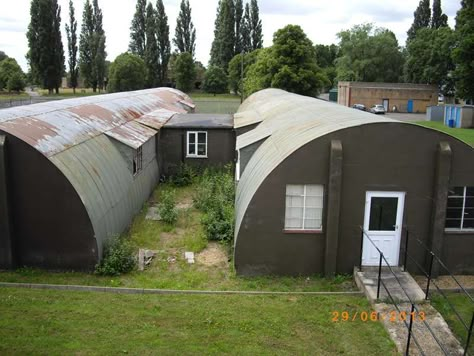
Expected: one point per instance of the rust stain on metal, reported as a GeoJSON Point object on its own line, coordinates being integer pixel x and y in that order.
{"type": "Point", "coordinates": [93, 111]}
{"type": "Point", "coordinates": [29, 129]}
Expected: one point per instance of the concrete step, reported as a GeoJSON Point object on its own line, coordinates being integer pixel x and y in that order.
{"type": "Point", "coordinates": [402, 286]}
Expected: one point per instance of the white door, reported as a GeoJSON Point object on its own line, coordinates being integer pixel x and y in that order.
{"type": "Point", "coordinates": [383, 223]}
{"type": "Point", "coordinates": [385, 104]}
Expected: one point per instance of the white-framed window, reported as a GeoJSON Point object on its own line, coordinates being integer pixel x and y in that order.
{"type": "Point", "coordinates": [304, 207]}
{"type": "Point", "coordinates": [137, 160]}
{"type": "Point", "coordinates": [460, 209]}
{"type": "Point", "coordinates": [196, 144]}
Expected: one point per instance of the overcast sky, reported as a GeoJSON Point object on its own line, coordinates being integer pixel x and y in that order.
{"type": "Point", "coordinates": [320, 19]}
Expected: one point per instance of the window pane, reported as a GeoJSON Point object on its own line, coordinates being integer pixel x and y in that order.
{"type": "Point", "coordinates": [455, 202]}
{"type": "Point", "coordinates": [293, 223]}
{"type": "Point", "coordinates": [469, 202]}
{"type": "Point", "coordinates": [293, 189]}
{"type": "Point", "coordinates": [314, 202]}
{"type": "Point", "coordinates": [192, 137]}
{"type": "Point", "coordinates": [469, 213]}
{"type": "Point", "coordinates": [312, 213]}
{"type": "Point", "coordinates": [294, 213]}
{"type": "Point", "coordinates": [470, 191]}
{"type": "Point", "coordinates": [294, 201]}
{"type": "Point", "coordinates": [453, 213]}
{"type": "Point", "coordinates": [312, 224]}
{"type": "Point", "coordinates": [192, 149]}
{"type": "Point", "coordinates": [314, 190]}
{"type": "Point", "coordinates": [201, 149]}
{"type": "Point", "coordinates": [468, 224]}
{"type": "Point", "coordinates": [202, 137]}
{"type": "Point", "coordinates": [383, 214]}
{"type": "Point", "coordinates": [453, 223]}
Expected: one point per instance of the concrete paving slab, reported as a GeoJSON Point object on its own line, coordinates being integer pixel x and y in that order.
{"type": "Point", "coordinates": [153, 213]}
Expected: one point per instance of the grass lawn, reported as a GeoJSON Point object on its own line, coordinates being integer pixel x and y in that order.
{"type": "Point", "coordinates": [466, 135]}
{"type": "Point", "coordinates": [68, 93]}
{"type": "Point", "coordinates": [65, 322]}
{"type": "Point", "coordinates": [464, 307]}
{"type": "Point", "coordinates": [169, 269]}
{"type": "Point", "coordinates": [4, 95]}
{"type": "Point", "coordinates": [208, 96]}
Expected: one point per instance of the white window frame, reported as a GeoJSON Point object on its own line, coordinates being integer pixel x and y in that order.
{"type": "Point", "coordinates": [305, 195]}
{"type": "Point", "coordinates": [464, 197]}
{"type": "Point", "coordinates": [188, 143]}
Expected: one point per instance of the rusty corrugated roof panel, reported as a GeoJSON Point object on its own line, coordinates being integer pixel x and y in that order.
{"type": "Point", "coordinates": [56, 126]}
{"type": "Point", "coordinates": [132, 134]}
{"type": "Point", "coordinates": [208, 121]}
{"type": "Point", "coordinates": [156, 119]}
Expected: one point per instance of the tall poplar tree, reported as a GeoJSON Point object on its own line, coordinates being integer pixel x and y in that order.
{"type": "Point", "coordinates": [239, 17]}
{"type": "Point", "coordinates": [138, 29]}
{"type": "Point", "coordinates": [98, 47]}
{"type": "Point", "coordinates": [46, 53]}
{"type": "Point", "coordinates": [223, 46]}
{"type": "Point", "coordinates": [71, 31]}
{"type": "Point", "coordinates": [256, 26]}
{"type": "Point", "coordinates": [438, 19]}
{"type": "Point", "coordinates": [152, 54]}
{"type": "Point", "coordinates": [86, 60]}
{"type": "Point", "coordinates": [163, 38]}
{"type": "Point", "coordinates": [245, 31]}
{"type": "Point", "coordinates": [422, 18]}
{"type": "Point", "coordinates": [463, 54]}
{"type": "Point", "coordinates": [185, 34]}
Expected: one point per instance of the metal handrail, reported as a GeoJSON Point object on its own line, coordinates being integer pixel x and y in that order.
{"type": "Point", "coordinates": [401, 286]}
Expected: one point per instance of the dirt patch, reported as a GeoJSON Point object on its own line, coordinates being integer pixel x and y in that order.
{"type": "Point", "coordinates": [213, 255]}
{"type": "Point", "coordinates": [168, 239]}
{"type": "Point", "coordinates": [447, 282]}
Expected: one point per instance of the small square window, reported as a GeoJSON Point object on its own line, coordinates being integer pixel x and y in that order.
{"type": "Point", "coordinates": [196, 145]}
{"type": "Point", "coordinates": [304, 207]}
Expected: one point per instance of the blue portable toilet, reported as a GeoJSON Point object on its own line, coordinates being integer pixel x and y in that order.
{"type": "Point", "coordinates": [410, 106]}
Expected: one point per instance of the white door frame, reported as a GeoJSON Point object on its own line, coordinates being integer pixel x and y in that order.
{"type": "Point", "coordinates": [394, 251]}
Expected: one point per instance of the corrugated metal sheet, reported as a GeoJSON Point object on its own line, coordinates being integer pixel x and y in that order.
{"type": "Point", "coordinates": [210, 121]}
{"type": "Point", "coordinates": [242, 119]}
{"type": "Point", "coordinates": [292, 121]}
{"type": "Point", "coordinates": [56, 126]}
{"type": "Point", "coordinates": [74, 135]}
{"type": "Point", "coordinates": [132, 134]}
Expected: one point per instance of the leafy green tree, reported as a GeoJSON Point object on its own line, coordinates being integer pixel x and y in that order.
{"type": "Point", "coordinates": [463, 54]}
{"type": "Point", "coordinates": [429, 58]}
{"type": "Point", "coordinates": [163, 38]}
{"type": "Point", "coordinates": [422, 18]}
{"type": "Point", "coordinates": [255, 26]}
{"type": "Point", "coordinates": [200, 71]}
{"type": "Point", "coordinates": [46, 54]}
{"type": "Point", "coordinates": [185, 33]}
{"type": "Point", "coordinates": [245, 30]}
{"type": "Point", "coordinates": [326, 55]}
{"type": "Point", "coordinates": [138, 29]}
{"type": "Point", "coordinates": [9, 68]}
{"type": "Point", "coordinates": [235, 69]}
{"type": "Point", "coordinates": [290, 64]}
{"type": "Point", "coordinates": [215, 80]}
{"type": "Point", "coordinates": [71, 32]}
{"type": "Point", "coordinates": [2, 56]}
{"type": "Point", "coordinates": [16, 82]}
{"type": "Point", "coordinates": [127, 72]}
{"type": "Point", "coordinates": [98, 48]}
{"type": "Point", "coordinates": [184, 71]}
{"type": "Point", "coordinates": [152, 54]}
{"type": "Point", "coordinates": [239, 18]}
{"type": "Point", "coordinates": [438, 19]}
{"type": "Point", "coordinates": [222, 49]}
{"type": "Point", "coordinates": [368, 54]}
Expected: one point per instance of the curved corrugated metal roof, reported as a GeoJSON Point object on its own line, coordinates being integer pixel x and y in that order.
{"type": "Point", "coordinates": [55, 126]}
{"type": "Point", "coordinates": [75, 135]}
{"type": "Point", "coordinates": [289, 121]}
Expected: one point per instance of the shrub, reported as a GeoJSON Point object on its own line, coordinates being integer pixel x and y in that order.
{"type": "Point", "coordinates": [118, 258]}
{"type": "Point", "coordinates": [185, 176]}
{"type": "Point", "coordinates": [167, 208]}
{"type": "Point", "coordinates": [215, 196]}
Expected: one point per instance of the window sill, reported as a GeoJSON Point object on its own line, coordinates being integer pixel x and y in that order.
{"type": "Point", "coordinates": [196, 156]}
{"type": "Point", "coordinates": [302, 231]}
{"type": "Point", "coordinates": [459, 231]}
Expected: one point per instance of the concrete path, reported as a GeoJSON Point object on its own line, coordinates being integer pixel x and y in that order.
{"type": "Point", "coordinates": [31, 93]}
{"type": "Point", "coordinates": [429, 327]}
